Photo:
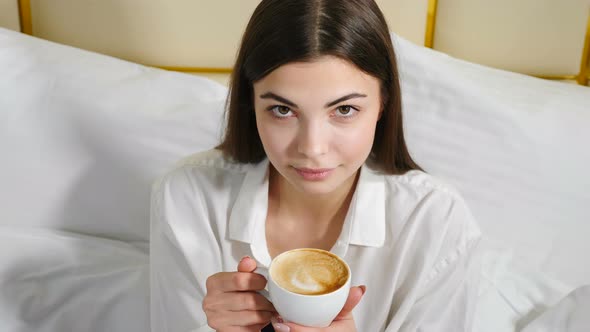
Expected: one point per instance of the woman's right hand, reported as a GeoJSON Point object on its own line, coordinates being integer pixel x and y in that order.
{"type": "Point", "coordinates": [232, 303]}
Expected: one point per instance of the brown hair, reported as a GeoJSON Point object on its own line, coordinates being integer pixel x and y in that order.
{"type": "Point", "coordinates": [284, 31]}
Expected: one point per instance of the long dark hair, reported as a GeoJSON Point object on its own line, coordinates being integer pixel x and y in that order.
{"type": "Point", "coordinates": [284, 31]}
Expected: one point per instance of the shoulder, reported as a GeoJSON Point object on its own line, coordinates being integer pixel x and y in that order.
{"type": "Point", "coordinates": [206, 178]}
{"type": "Point", "coordinates": [200, 170]}
{"type": "Point", "coordinates": [195, 188]}
{"type": "Point", "coordinates": [421, 184]}
{"type": "Point", "coordinates": [212, 159]}
{"type": "Point", "coordinates": [419, 189]}
{"type": "Point", "coordinates": [434, 205]}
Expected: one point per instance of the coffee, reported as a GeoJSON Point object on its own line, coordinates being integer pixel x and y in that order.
{"type": "Point", "coordinates": [309, 271]}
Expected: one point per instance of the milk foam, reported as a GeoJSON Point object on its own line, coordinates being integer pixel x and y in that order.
{"type": "Point", "coordinates": [309, 272]}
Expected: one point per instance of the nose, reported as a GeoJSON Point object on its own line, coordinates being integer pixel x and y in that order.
{"type": "Point", "coordinates": [312, 140]}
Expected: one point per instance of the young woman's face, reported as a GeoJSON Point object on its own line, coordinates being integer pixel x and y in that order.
{"type": "Point", "coordinates": [317, 121]}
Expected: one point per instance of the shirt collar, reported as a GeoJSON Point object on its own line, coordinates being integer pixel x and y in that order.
{"type": "Point", "coordinates": [367, 209]}
{"type": "Point", "coordinates": [251, 204]}
{"type": "Point", "coordinates": [364, 224]}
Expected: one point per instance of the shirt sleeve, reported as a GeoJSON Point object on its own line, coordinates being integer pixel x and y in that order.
{"type": "Point", "coordinates": [178, 267]}
{"type": "Point", "coordinates": [448, 291]}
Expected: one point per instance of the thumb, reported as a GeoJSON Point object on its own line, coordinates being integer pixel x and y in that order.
{"type": "Point", "coordinates": [354, 297]}
{"type": "Point", "coordinates": [247, 264]}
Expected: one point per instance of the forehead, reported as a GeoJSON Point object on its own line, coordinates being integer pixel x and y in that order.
{"type": "Point", "coordinates": [325, 76]}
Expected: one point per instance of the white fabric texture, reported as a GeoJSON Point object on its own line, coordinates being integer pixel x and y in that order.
{"type": "Point", "coordinates": [409, 238]}
{"type": "Point", "coordinates": [54, 281]}
{"type": "Point", "coordinates": [83, 135]}
{"type": "Point", "coordinates": [82, 138]}
{"type": "Point", "coordinates": [516, 147]}
{"type": "Point", "coordinates": [572, 314]}
{"type": "Point", "coordinates": [512, 292]}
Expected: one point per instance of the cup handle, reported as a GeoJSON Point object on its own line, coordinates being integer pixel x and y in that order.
{"type": "Point", "coordinates": [263, 292]}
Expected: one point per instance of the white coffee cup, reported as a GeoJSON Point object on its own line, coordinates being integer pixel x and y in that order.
{"type": "Point", "coordinates": [304, 309]}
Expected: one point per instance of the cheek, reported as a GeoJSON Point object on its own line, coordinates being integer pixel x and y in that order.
{"type": "Point", "coordinates": [275, 139]}
{"type": "Point", "coordinates": [356, 142]}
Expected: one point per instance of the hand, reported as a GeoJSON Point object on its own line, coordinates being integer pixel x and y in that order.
{"type": "Point", "coordinates": [344, 322]}
{"type": "Point", "coordinates": [232, 303]}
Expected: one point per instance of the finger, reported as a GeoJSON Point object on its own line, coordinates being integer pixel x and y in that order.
{"type": "Point", "coordinates": [354, 297]}
{"type": "Point", "coordinates": [235, 281]}
{"type": "Point", "coordinates": [247, 264]}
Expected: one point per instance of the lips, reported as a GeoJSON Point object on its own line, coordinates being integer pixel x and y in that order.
{"type": "Point", "coordinates": [313, 174]}
{"type": "Point", "coordinates": [313, 170]}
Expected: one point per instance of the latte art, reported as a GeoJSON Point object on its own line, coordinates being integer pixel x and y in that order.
{"type": "Point", "coordinates": [309, 272]}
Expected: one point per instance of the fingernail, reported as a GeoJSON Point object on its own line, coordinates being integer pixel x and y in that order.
{"type": "Point", "coordinates": [241, 260]}
{"type": "Point", "coordinates": [276, 324]}
{"type": "Point", "coordinates": [363, 288]}
{"type": "Point", "coordinates": [281, 327]}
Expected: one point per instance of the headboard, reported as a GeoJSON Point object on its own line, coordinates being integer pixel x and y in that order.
{"type": "Point", "coordinates": [544, 38]}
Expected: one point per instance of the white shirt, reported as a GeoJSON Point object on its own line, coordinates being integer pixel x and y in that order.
{"type": "Point", "coordinates": [409, 238]}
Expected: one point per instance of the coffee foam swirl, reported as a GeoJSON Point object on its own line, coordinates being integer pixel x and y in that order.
{"type": "Point", "coordinates": [309, 272]}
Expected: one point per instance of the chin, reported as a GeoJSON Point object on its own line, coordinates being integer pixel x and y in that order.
{"type": "Point", "coordinates": [315, 188]}
{"type": "Point", "coordinates": [323, 187]}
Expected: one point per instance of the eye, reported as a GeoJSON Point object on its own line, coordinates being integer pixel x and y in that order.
{"type": "Point", "coordinates": [346, 111]}
{"type": "Point", "coordinates": [281, 111]}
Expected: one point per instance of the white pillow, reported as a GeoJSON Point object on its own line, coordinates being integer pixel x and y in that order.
{"type": "Point", "coordinates": [84, 135]}
{"type": "Point", "coordinates": [515, 146]}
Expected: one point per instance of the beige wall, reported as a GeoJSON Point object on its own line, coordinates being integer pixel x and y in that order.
{"type": "Point", "coordinates": [539, 37]}
{"type": "Point", "coordinates": [9, 15]}
{"type": "Point", "coordinates": [176, 33]}
{"type": "Point", "coordinates": [542, 37]}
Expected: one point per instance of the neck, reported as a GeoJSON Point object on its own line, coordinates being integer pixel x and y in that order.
{"type": "Point", "coordinates": [320, 210]}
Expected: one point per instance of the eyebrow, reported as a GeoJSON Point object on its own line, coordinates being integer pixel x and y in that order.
{"type": "Point", "coordinates": [270, 95]}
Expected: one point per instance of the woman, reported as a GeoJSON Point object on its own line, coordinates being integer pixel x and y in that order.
{"type": "Point", "coordinates": [313, 156]}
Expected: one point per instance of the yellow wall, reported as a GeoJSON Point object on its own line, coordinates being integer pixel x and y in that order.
{"type": "Point", "coordinates": [9, 14]}
{"type": "Point", "coordinates": [540, 37]}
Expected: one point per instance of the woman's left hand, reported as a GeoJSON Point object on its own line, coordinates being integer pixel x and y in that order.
{"type": "Point", "coordinates": [344, 322]}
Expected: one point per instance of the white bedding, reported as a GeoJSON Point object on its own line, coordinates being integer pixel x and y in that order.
{"type": "Point", "coordinates": [516, 147]}
{"type": "Point", "coordinates": [512, 292]}
{"type": "Point", "coordinates": [55, 281]}
{"type": "Point", "coordinates": [83, 135]}
{"type": "Point", "coordinates": [572, 314]}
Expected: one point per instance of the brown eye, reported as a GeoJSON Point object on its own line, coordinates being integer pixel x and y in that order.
{"type": "Point", "coordinates": [344, 110]}
{"type": "Point", "coordinates": [283, 110]}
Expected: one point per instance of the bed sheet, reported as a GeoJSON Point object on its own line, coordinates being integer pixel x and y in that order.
{"type": "Point", "coordinates": [572, 314]}
{"type": "Point", "coordinates": [53, 281]}
{"type": "Point", "coordinates": [512, 292]}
